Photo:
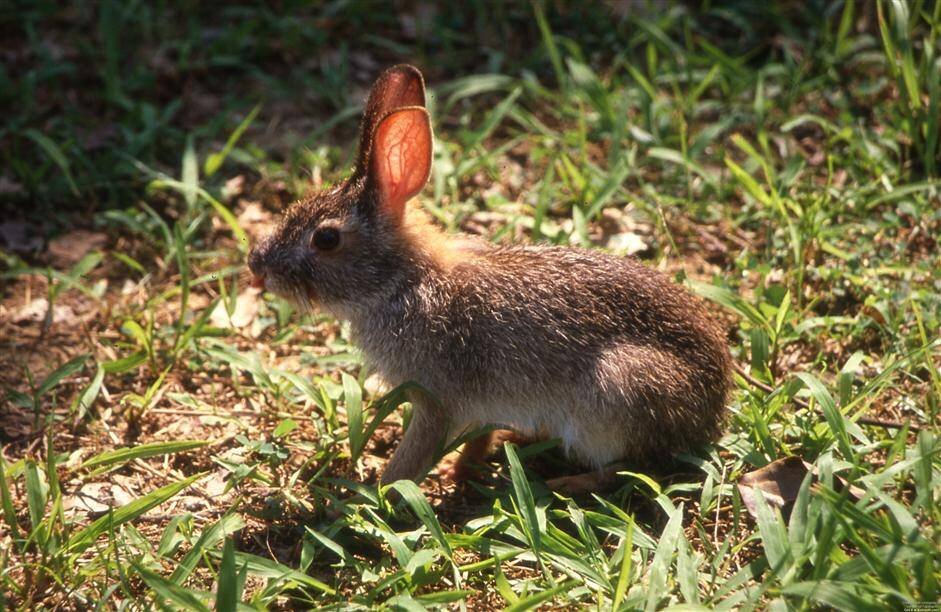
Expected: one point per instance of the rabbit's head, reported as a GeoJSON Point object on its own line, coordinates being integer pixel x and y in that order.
{"type": "Point", "coordinates": [346, 246]}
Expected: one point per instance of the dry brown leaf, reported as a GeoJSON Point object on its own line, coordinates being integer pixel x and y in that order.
{"type": "Point", "coordinates": [779, 482]}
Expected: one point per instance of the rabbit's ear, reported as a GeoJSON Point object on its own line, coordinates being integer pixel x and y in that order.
{"type": "Point", "coordinates": [397, 87]}
{"type": "Point", "coordinates": [400, 161]}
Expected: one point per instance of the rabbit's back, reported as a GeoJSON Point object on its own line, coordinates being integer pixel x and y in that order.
{"type": "Point", "coordinates": [548, 312]}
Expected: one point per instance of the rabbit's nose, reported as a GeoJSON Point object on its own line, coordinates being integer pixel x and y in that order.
{"type": "Point", "coordinates": [256, 258]}
{"type": "Point", "coordinates": [256, 263]}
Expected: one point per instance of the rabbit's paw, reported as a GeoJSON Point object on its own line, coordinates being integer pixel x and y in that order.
{"type": "Point", "coordinates": [581, 484]}
{"type": "Point", "coordinates": [458, 467]}
{"type": "Point", "coordinates": [455, 469]}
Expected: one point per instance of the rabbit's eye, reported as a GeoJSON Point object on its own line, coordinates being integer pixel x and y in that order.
{"type": "Point", "coordinates": [326, 239]}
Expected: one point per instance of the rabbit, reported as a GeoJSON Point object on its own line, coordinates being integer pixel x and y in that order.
{"type": "Point", "coordinates": [600, 351]}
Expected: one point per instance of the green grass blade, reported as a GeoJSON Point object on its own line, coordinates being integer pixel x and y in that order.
{"type": "Point", "coordinates": [65, 370]}
{"type": "Point", "coordinates": [125, 364]}
{"type": "Point", "coordinates": [84, 402]}
{"type": "Point", "coordinates": [834, 418]}
{"type": "Point", "coordinates": [444, 597]}
{"type": "Point", "coordinates": [215, 160]}
{"type": "Point", "coordinates": [540, 597]}
{"type": "Point", "coordinates": [36, 493]}
{"type": "Point", "coordinates": [835, 595]}
{"type": "Point", "coordinates": [386, 405]}
{"type": "Point", "coordinates": [524, 499]}
{"type": "Point", "coordinates": [142, 451]}
{"type": "Point", "coordinates": [470, 86]}
{"type": "Point", "coordinates": [220, 208]}
{"type": "Point", "coordinates": [167, 591]}
{"type": "Point", "coordinates": [687, 572]}
{"type": "Point", "coordinates": [134, 329]}
{"type": "Point", "coordinates": [773, 534]}
{"type": "Point", "coordinates": [730, 300]}
{"type": "Point", "coordinates": [799, 532]}
{"type": "Point", "coordinates": [750, 185]}
{"type": "Point", "coordinates": [663, 559]}
{"type": "Point", "coordinates": [353, 400]}
{"type": "Point", "coordinates": [502, 585]}
{"type": "Point", "coordinates": [228, 591]}
{"type": "Point", "coordinates": [847, 375]}
{"type": "Point", "coordinates": [208, 540]}
{"type": "Point", "coordinates": [333, 546]}
{"type": "Point", "coordinates": [493, 119]}
{"type": "Point", "coordinates": [928, 452]}
{"type": "Point", "coordinates": [549, 42]}
{"type": "Point", "coordinates": [55, 154]}
{"type": "Point", "coordinates": [85, 265]}
{"type": "Point", "coordinates": [268, 568]}
{"type": "Point", "coordinates": [627, 545]}
{"type": "Point", "coordinates": [6, 500]}
{"type": "Point", "coordinates": [183, 266]}
{"type": "Point", "coordinates": [422, 509]}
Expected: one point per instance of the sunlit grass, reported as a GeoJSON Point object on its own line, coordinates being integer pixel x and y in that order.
{"type": "Point", "coordinates": [792, 181]}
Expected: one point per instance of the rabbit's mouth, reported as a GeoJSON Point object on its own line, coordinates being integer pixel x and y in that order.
{"type": "Point", "coordinates": [272, 284]}
{"type": "Point", "coordinates": [304, 297]}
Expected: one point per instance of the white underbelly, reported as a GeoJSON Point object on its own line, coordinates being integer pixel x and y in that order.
{"type": "Point", "coordinates": [588, 438]}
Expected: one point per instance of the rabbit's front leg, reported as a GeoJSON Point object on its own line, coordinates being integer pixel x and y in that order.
{"type": "Point", "coordinates": [425, 435]}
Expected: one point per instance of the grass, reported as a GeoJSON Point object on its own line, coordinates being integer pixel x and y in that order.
{"type": "Point", "coordinates": [172, 440]}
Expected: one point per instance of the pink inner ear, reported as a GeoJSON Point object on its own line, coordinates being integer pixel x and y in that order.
{"type": "Point", "coordinates": [401, 158]}
{"type": "Point", "coordinates": [398, 87]}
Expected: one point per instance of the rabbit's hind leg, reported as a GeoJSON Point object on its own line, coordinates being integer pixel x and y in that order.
{"type": "Point", "coordinates": [460, 466]}
{"type": "Point", "coordinates": [588, 482]}
{"type": "Point", "coordinates": [475, 452]}
{"type": "Point", "coordinates": [644, 393]}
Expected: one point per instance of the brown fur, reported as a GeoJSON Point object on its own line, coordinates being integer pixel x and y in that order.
{"type": "Point", "coordinates": [601, 351]}
{"type": "Point", "coordinates": [437, 247]}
